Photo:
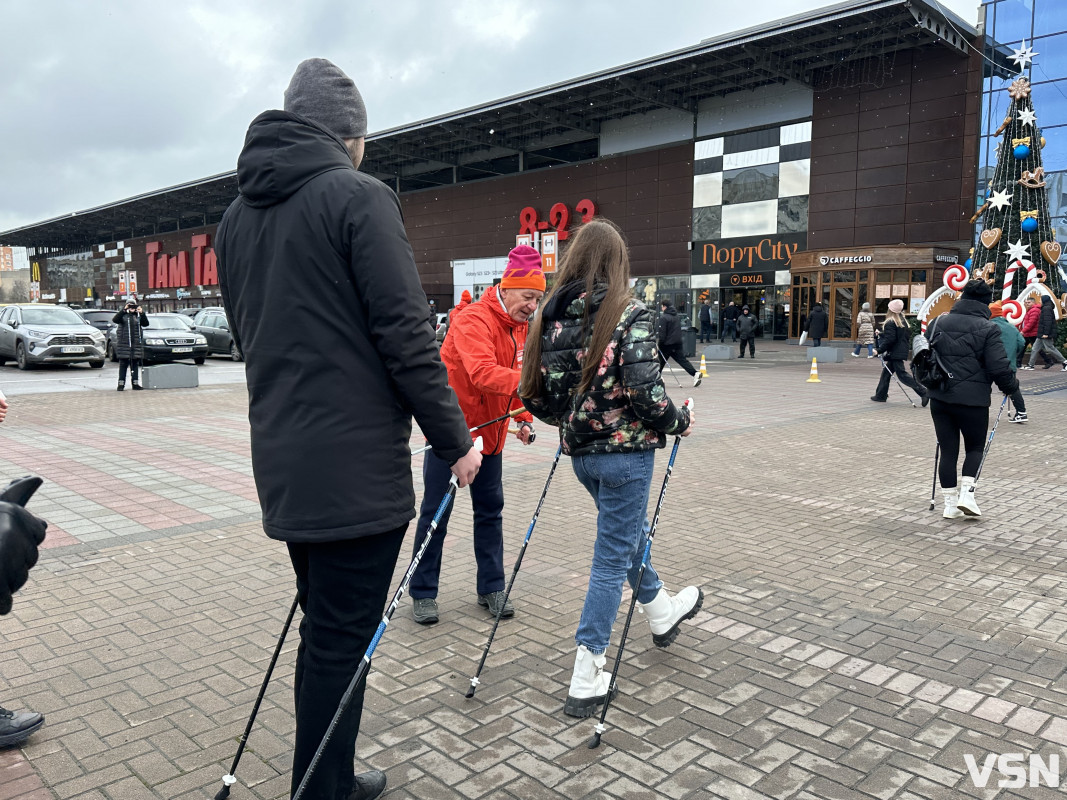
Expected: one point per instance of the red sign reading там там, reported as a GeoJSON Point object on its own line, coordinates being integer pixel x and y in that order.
{"type": "Point", "coordinates": [167, 271]}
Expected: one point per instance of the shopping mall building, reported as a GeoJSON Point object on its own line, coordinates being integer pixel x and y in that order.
{"type": "Point", "coordinates": [833, 156]}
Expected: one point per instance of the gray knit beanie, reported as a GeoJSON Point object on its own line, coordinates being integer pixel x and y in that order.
{"type": "Point", "coordinates": [320, 91]}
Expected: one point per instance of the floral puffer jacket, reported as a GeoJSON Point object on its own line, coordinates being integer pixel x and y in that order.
{"type": "Point", "coordinates": [627, 408]}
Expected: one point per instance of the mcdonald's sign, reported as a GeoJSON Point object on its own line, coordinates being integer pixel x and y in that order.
{"type": "Point", "coordinates": [35, 272]}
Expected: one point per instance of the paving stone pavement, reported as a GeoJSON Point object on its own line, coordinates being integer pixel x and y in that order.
{"type": "Point", "coordinates": [852, 644]}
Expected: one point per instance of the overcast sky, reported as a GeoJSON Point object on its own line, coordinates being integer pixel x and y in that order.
{"type": "Point", "coordinates": [107, 99]}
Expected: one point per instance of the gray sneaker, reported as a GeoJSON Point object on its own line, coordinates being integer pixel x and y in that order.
{"type": "Point", "coordinates": [492, 602]}
{"type": "Point", "coordinates": [424, 610]}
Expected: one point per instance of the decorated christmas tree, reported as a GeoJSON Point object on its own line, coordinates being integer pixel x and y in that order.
{"type": "Point", "coordinates": [1016, 249]}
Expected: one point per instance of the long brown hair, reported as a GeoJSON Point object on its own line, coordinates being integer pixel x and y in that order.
{"type": "Point", "coordinates": [597, 257]}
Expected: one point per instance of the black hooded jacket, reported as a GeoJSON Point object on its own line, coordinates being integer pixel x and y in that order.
{"type": "Point", "coordinates": [670, 329]}
{"type": "Point", "coordinates": [1046, 324]}
{"type": "Point", "coordinates": [969, 346]}
{"type": "Point", "coordinates": [324, 300]}
{"type": "Point", "coordinates": [818, 323]}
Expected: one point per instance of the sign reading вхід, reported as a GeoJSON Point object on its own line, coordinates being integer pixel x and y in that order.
{"type": "Point", "coordinates": [747, 254]}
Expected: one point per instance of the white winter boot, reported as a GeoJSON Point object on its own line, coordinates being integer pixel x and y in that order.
{"type": "Point", "coordinates": [666, 614]}
{"type": "Point", "coordinates": [589, 684]}
{"type": "Point", "coordinates": [951, 498]}
{"type": "Point", "coordinates": [967, 503]}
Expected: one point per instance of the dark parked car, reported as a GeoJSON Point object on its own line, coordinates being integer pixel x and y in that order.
{"type": "Point", "coordinates": [212, 323]}
{"type": "Point", "coordinates": [168, 337]}
{"type": "Point", "coordinates": [98, 318]}
{"type": "Point", "coordinates": [38, 333]}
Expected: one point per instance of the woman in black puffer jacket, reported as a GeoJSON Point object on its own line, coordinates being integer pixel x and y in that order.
{"type": "Point", "coordinates": [969, 346]}
{"type": "Point", "coordinates": [129, 349]}
{"type": "Point", "coordinates": [894, 345]}
{"type": "Point", "coordinates": [591, 366]}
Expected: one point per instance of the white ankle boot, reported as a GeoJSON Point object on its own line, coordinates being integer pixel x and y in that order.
{"type": "Point", "coordinates": [589, 684]}
{"type": "Point", "coordinates": [967, 502]}
{"type": "Point", "coordinates": [951, 498]}
{"type": "Point", "coordinates": [666, 614]}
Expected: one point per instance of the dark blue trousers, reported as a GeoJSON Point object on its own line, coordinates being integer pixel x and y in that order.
{"type": "Point", "coordinates": [487, 497]}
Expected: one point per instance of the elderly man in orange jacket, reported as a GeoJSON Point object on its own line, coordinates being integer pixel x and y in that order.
{"type": "Point", "coordinates": [483, 355]}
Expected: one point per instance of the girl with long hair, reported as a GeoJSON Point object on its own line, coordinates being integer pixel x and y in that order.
{"type": "Point", "coordinates": [591, 367]}
{"type": "Point", "coordinates": [895, 346]}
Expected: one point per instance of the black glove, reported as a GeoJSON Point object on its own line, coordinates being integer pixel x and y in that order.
{"type": "Point", "coordinates": [20, 534]}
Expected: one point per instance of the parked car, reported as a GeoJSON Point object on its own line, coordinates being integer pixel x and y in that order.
{"type": "Point", "coordinates": [36, 333]}
{"type": "Point", "coordinates": [99, 318]}
{"type": "Point", "coordinates": [441, 326]}
{"type": "Point", "coordinates": [189, 312]}
{"type": "Point", "coordinates": [212, 323]}
{"type": "Point", "coordinates": [168, 337]}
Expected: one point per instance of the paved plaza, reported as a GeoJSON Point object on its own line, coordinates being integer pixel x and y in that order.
{"type": "Point", "coordinates": [852, 644]}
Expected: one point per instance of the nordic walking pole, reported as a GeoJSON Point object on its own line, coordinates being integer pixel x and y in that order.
{"type": "Point", "coordinates": [514, 572]}
{"type": "Point", "coordinates": [612, 687]}
{"type": "Point", "coordinates": [230, 778]}
{"type": "Point", "coordinates": [933, 488]}
{"type": "Point", "coordinates": [509, 415]}
{"type": "Point", "coordinates": [364, 664]}
{"type": "Point", "coordinates": [989, 441]}
{"type": "Point", "coordinates": [667, 364]}
{"type": "Point", "coordinates": [901, 385]}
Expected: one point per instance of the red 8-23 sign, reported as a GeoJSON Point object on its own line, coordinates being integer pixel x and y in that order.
{"type": "Point", "coordinates": [559, 218]}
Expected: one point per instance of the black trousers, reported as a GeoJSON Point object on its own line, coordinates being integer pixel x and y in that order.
{"type": "Point", "coordinates": [675, 351]}
{"type": "Point", "coordinates": [342, 588]}
{"type": "Point", "coordinates": [705, 331]}
{"type": "Point", "coordinates": [128, 363]}
{"type": "Point", "coordinates": [729, 326]}
{"type": "Point", "coordinates": [487, 498]}
{"type": "Point", "coordinates": [751, 342]}
{"type": "Point", "coordinates": [950, 422]}
{"type": "Point", "coordinates": [897, 366]}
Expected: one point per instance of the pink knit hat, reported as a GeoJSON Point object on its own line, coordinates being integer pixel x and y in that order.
{"type": "Point", "coordinates": [523, 270]}
{"type": "Point", "coordinates": [896, 306]}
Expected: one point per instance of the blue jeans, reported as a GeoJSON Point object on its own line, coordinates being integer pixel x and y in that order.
{"type": "Point", "coordinates": [619, 484]}
{"type": "Point", "coordinates": [870, 349]}
{"type": "Point", "coordinates": [487, 497]}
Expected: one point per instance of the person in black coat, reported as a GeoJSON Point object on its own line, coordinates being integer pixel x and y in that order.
{"type": "Point", "coordinates": [817, 324]}
{"type": "Point", "coordinates": [729, 321]}
{"type": "Point", "coordinates": [705, 322]}
{"type": "Point", "coordinates": [894, 345]}
{"type": "Point", "coordinates": [332, 392]}
{"type": "Point", "coordinates": [670, 340]}
{"type": "Point", "coordinates": [747, 326]}
{"type": "Point", "coordinates": [969, 346]}
{"type": "Point", "coordinates": [1046, 336]}
{"type": "Point", "coordinates": [130, 345]}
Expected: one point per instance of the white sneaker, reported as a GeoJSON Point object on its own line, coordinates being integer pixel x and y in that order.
{"type": "Point", "coordinates": [589, 684]}
{"type": "Point", "coordinates": [967, 503]}
{"type": "Point", "coordinates": [697, 379]}
{"type": "Point", "coordinates": [666, 614]}
{"type": "Point", "coordinates": [1065, 366]}
{"type": "Point", "coordinates": [854, 355]}
{"type": "Point", "coordinates": [951, 498]}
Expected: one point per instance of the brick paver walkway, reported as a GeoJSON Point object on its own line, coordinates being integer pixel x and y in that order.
{"type": "Point", "coordinates": [852, 644]}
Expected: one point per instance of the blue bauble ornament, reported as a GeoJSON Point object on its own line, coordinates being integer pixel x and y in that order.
{"type": "Point", "coordinates": [967, 264]}
{"type": "Point", "coordinates": [1021, 151]}
{"type": "Point", "coordinates": [1029, 225]}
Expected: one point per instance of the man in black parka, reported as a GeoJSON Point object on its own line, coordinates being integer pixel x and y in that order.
{"type": "Point", "coordinates": [323, 296]}
{"type": "Point", "coordinates": [669, 333]}
{"type": "Point", "coordinates": [1046, 336]}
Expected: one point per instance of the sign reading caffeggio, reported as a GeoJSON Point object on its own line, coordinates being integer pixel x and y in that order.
{"type": "Point", "coordinates": [751, 253]}
{"type": "Point", "coordinates": [858, 258]}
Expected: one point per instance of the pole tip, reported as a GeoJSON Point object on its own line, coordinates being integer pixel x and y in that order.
{"type": "Point", "coordinates": [594, 743]}
{"type": "Point", "coordinates": [223, 793]}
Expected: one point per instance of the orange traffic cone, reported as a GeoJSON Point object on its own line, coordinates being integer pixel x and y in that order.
{"type": "Point", "coordinates": [814, 377]}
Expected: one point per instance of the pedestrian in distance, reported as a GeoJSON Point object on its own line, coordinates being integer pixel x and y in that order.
{"type": "Point", "coordinates": [592, 368]}
{"type": "Point", "coordinates": [1029, 330]}
{"type": "Point", "coordinates": [21, 533]}
{"type": "Point", "coordinates": [973, 355]}
{"type": "Point", "coordinates": [894, 345]}
{"type": "Point", "coordinates": [730, 316]}
{"type": "Point", "coordinates": [865, 335]}
{"type": "Point", "coordinates": [1014, 345]}
{"type": "Point", "coordinates": [747, 328]}
{"type": "Point", "coordinates": [670, 341]}
{"type": "Point", "coordinates": [705, 322]}
{"type": "Point", "coordinates": [817, 324]}
{"type": "Point", "coordinates": [483, 353]}
{"type": "Point", "coordinates": [331, 394]}
{"type": "Point", "coordinates": [1046, 335]}
{"type": "Point", "coordinates": [464, 301]}
{"type": "Point", "coordinates": [129, 347]}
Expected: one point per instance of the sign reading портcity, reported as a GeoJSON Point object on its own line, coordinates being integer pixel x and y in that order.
{"type": "Point", "coordinates": [746, 254]}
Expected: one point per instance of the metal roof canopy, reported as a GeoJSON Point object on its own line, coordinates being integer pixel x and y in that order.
{"type": "Point", "coordinates": [848, 44]}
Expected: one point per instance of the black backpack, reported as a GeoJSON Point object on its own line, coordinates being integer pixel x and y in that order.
{"type": "Point", "coordinates": [926, 365]}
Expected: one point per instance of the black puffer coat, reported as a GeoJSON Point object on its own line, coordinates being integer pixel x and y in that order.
{"type": "Point", "coordinates": [895, 341]}
{"type": "Point", "coordinates": [627, 409]}
{"type": "Point", "coordinates": [818, 323]}
{"type": "Point", "coordinates": [670, 329]}
{"type": "Point", "coordinates": [130, 342]}
{"type": "Point", "coordinates": [969, 345]}
{"type": "Point", "coordinates": [332, 391]}
{"type": "Point", "coordinates": [1046, 325]}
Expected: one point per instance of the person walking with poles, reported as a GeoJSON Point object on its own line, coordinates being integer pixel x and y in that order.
{"type": "Point", "coordinates": [705, 321]}
{"type": "Point", "coordinates": [894, 346]}
{"type": "Point", "coordinates": [483, 352]}
{"type": "Point", "coordinates": [1046, 334]}
{"type": "Point", "coordinates": [971, 351]}
{"type": "Point", "coordinates": [670, 341]}
{"type": "Point", "coordinates": [331, 394]}
{"type": "Point", "coordinates": [601, 384]}
{"type": "Point", "coordinates": [730, 316]}
{"type": "Point", "coordinates": [129, 347]}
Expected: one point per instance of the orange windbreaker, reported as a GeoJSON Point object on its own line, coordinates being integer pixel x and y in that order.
{"type": "Point", "coordinates": [483, 354]}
